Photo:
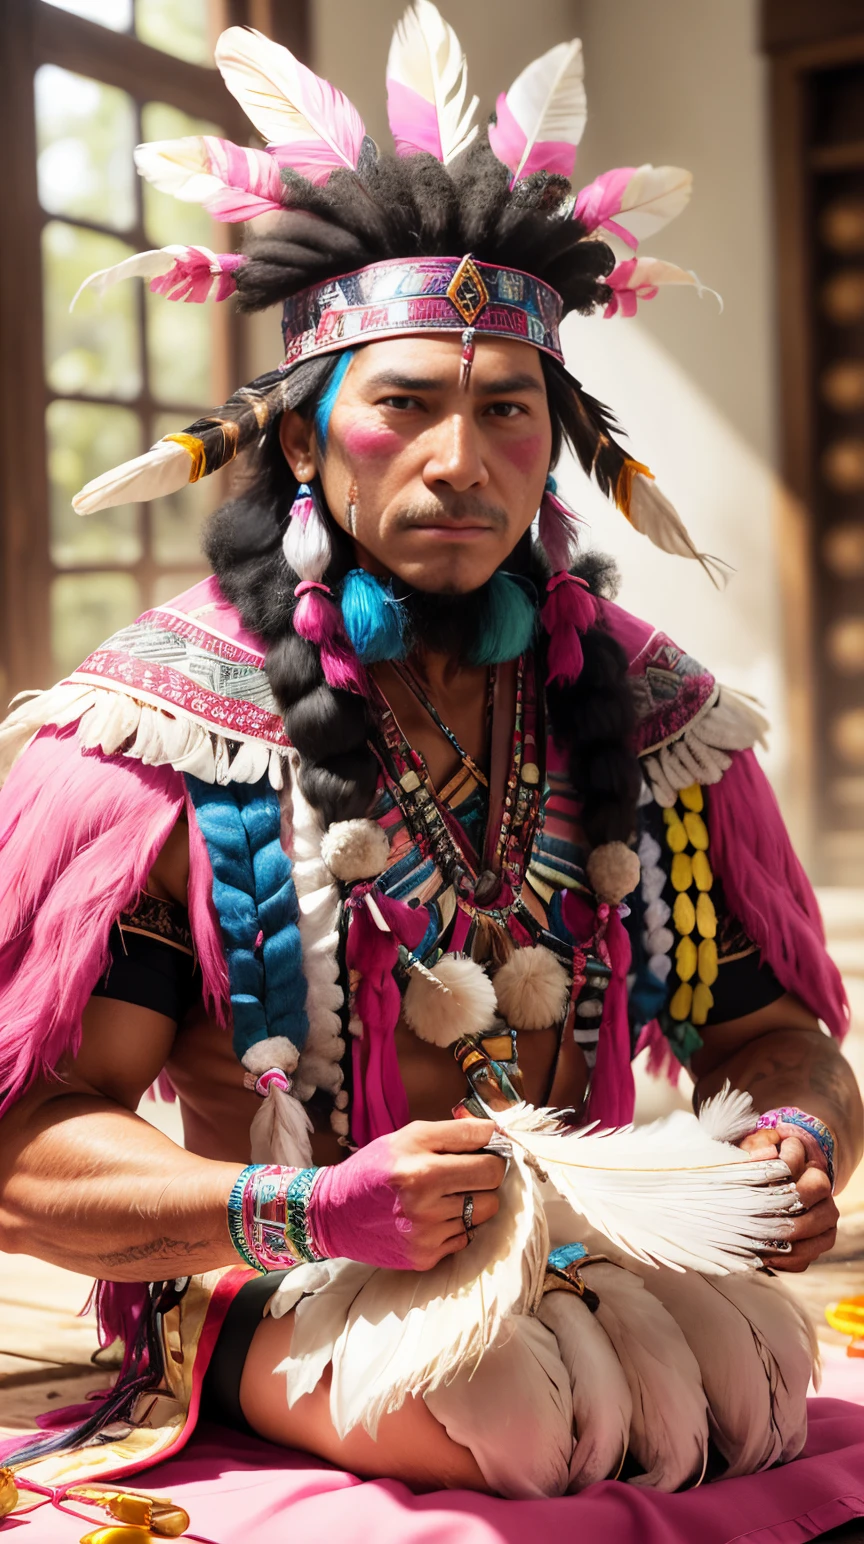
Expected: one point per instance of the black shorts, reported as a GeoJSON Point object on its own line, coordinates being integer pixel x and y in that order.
{"type": "Point", "coordinates": [220, 1394]}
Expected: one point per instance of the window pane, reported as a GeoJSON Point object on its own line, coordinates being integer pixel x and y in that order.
{"type": "Point", "coordinates": [187, 31]}
{"type": "Point", "coordinates": [116, 14]}
{"type": "Point", "coordinates": [167, 219]}
{"type": "Point", "coordinates": [96, 350]}
{"type": "Point", "coordinates": [86, 136]}
{"type": "Point", "coordinates": [85, 610]}
{"type": "Point", "coordinates": [180, 350]}
{"type": "Point", "coordinates": [178, 521]}
{"type": "Point", "coordinates": [84, 440]}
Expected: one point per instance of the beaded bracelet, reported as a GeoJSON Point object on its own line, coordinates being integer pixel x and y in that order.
{"type": "Point", "coordinates": [816, 1138]}
{"type": "Point", "coordinates": [267, 1218]}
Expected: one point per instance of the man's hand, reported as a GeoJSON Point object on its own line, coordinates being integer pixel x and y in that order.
{"type": "Point", "coordinates": [815, 1229]}
{"type": "Point", "coordinates": [398, 1202]}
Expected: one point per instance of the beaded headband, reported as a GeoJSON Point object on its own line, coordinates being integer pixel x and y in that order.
{"type": "Point", "coordinates": [425, 294]}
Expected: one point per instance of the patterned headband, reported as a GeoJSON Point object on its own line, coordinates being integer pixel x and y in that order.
{"type": "Point", "coordinates": [426, 294]}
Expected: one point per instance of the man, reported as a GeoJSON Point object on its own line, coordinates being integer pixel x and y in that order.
{"type": "Point", "coordinates": [378, 794]}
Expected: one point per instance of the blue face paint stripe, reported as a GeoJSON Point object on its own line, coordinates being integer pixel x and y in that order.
{"type": "Point", "coordinates": [328, 398]}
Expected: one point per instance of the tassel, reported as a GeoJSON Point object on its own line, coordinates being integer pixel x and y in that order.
{"type": "Point", "coordinates": [372, 618]}
{"type": "Point", "coordinates": [378, 925]}
{"type": "Point", "coordinates": [281, 1130]}
{"type": "Point", "coordinates": [507, 623]}
{"type": "Point", "coordinates": [559, 529]}
{"type": "Point", "coordinates": [306, 543]}
{"type": "Point", "coordinates": [569, 609]}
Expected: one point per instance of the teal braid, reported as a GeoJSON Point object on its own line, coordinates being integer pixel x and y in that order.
{"type": "Point", "coordinates": [254, 895]}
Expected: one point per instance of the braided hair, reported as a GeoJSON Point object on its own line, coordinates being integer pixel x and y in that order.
{"type": "Point", "coordinates": [391, 208]}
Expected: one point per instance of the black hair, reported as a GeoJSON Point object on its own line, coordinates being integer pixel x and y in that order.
{"type": "Point", "coordinates": [404, 208]}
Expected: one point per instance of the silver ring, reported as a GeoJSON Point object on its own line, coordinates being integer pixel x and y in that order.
{"type": "Point", "coordinates": [468, 1214]}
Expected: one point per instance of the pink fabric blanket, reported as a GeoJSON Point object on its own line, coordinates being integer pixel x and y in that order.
{"type": "Point", "coordinates": [239, 1490]}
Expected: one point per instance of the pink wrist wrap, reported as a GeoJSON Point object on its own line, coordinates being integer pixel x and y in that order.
{"type": "Point", "coordinates": [354, 1211]}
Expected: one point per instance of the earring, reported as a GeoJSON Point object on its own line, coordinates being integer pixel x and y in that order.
{"type": "Point", "coordinates": [351, 509]}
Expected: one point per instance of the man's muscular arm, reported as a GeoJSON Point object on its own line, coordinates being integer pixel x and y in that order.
{"type": "Point", "coordinates": [781, 1057]}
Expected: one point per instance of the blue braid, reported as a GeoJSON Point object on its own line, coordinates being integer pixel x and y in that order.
{"type": "Point", "coordinates": [506, 624]}
{"type": "Point", "coordinates": [253, 893]}
{"type": "Point", "coordinates": [327, 399]}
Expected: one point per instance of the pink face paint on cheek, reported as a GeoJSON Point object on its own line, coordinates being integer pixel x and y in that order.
{"type": "Point", "coordinates": [371, 442]}
{"type": "Point", "coordinates": [524, 454]}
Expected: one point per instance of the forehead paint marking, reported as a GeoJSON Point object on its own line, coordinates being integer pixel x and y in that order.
{"type": "Point", "coordinates": [327, 400]}
{"type": "Point", "coordinates": [523, 454]}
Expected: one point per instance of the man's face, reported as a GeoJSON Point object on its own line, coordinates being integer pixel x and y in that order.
{"type": "Point", "coordinates": [435, 483]}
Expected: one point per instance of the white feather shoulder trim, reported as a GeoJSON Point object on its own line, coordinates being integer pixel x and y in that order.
{"type": "Point", "coordinates": [118, 723]}
{"type": "Point", "coordinates": [730, 721]}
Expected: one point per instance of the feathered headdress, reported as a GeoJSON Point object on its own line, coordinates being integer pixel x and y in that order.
{"type": "Point", "coordinates": [311, 131]}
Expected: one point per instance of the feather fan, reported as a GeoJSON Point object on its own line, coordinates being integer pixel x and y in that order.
{"type": "Point", "coordinates": [312, 126]}
{"type": "Point", "coordinates": [232, 182]}
{"type": "Point", "coordinates": [408, 1331]}
{"type": "Point", "coordinates": [633, 202]}
{"type": "Point", "coordinates": [427, 86]}
{"type": "Point", "coordinates": [666, 1193]}
{"type": "Point", "coordinates": [541, 119]}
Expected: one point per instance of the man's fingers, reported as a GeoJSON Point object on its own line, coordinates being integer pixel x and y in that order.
{"type": "Point", "coordinates": [453, 1136]}
{"type": "Point", "coordinates": [813, 1185]}
{"type": "Point", "coordinates": [486, 1204]}
{"type": "Point", "coordinates": [820, 1218]}
{"type": "Point", "coordinates": [803, 1253]}
{"type": "Point", "coordinates": [793, 1155]}
{"type": "Point", "coordinates": [469, 1171]}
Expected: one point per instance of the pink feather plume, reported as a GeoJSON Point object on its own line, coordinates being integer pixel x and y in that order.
{"type": "Point", "coordinates": [633, 202]}
{"type": "Point", "coordinates": [180, 273]}
{"type": "Point", "coordinates": [427, 87]}
{"type": "Point", "coordinates": [541, 119]}
{"type": "Point", "coordinates": [310, 125]}
{"type": "Point", "coordinates": [232, 182]}
{"type": "Point", "coordinates": [640, 278]}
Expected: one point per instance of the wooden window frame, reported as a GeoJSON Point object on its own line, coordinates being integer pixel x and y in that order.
{"type": "Point", "coordinates": [37, 33]}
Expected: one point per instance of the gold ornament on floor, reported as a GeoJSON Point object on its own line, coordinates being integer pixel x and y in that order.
{"type": "Point", "coordinates": [140, 1519]}
{"type": "Point", "coordinates": [8, 1492]}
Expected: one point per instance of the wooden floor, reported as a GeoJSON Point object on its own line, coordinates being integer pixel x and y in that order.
{"type": "Point", "coordinates": [46, 1346]}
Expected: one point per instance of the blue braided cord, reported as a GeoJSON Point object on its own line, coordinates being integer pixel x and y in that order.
{"type": "Point", "coordinates": [507, 622]}
{"type": "Point", "coordinates": [373, 619]}
{"type": "Point", "coordinates": [253, 893]}
{"type": "Point", "coordinates": [327, 399]}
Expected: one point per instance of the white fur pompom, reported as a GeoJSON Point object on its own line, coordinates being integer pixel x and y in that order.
{"type": "Point", "coordinates": [613, 870]}
{"type": "Point", "coordinates": [274, 1051]}
{"type": "Point", "coordinates": [355, 849]}
{"type": "Point", "coordinates": [532, 989]}
{"type": "Point", "coordinates": [462, 1002]}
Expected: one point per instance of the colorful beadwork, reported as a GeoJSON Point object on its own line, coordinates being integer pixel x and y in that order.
{"type": "Point", "coordinates": [790, 1115]}
{"type": "Point", "coordinates": [696, 963]}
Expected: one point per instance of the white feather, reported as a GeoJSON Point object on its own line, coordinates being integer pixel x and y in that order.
{"type": "Point", "coordinates": [729, 1115]}
{"type": "Point", "coordinates": [787, 1344]}
{"type": "Point", "coordinates": [654, 196]}
{"type": "Point", "coordinates": [409, 1331]}
{"type": "Point", "coordinates": [319, 1318]}
{"type": "Point", "coordinates": [288, 103]}
{"type": "Point", "coordinates": [426, 57]}
{"type": "Point", "coordinates": [548, 100]}
{"type": "Point", "coordinates": [163, 469]}
{"type": "Point", "coordinates": [602, 1402]}
{"type": "Point", "coordinates": [651, 514]}
{"type": "Point", "coordinates": [143, 265]}
{"type": "Point", "coordinates": [281, 1131]}
{"type": "Point", "coordinates": [666, 1193]}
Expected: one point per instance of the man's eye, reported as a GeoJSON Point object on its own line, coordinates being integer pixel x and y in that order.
{"type": "Point", "coordinates": [505, 409]}
{"type": "Point", "coordinates": [401, 404]}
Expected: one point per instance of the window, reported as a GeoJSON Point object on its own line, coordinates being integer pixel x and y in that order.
{"type": "Point", "coordinates": [86, 389]}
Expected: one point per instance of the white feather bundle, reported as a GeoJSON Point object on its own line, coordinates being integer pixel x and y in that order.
{"type": "Point", "coordinates": [666, 1193]}
{"type": "Point", "coordinates": [728, 1115]}
{"type": "Point", "coordinates": [306, 543]}
{"type": "Point", "coordinates": [319, 1318]}
{"type": "Point", "coordinates": [408, 1332]}
{"type": "Point", "coordinates": [164, 469]}
{"type": "Point", "coordinates": [312, 125]}
{"type": "Point", "coordinates": [669, 1424]}
{"type": "Point", "coordinates": [602, 1402]}
{"type": "Point", "coordinates": [281, 1131]}
{"type": "Point", "coordinates": [427, 86]}
{"type": "Point", "coordinates": [454, 998]}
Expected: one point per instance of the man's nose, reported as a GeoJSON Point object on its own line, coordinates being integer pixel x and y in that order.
{"type": "Point", "coordinates": [455, 455]}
